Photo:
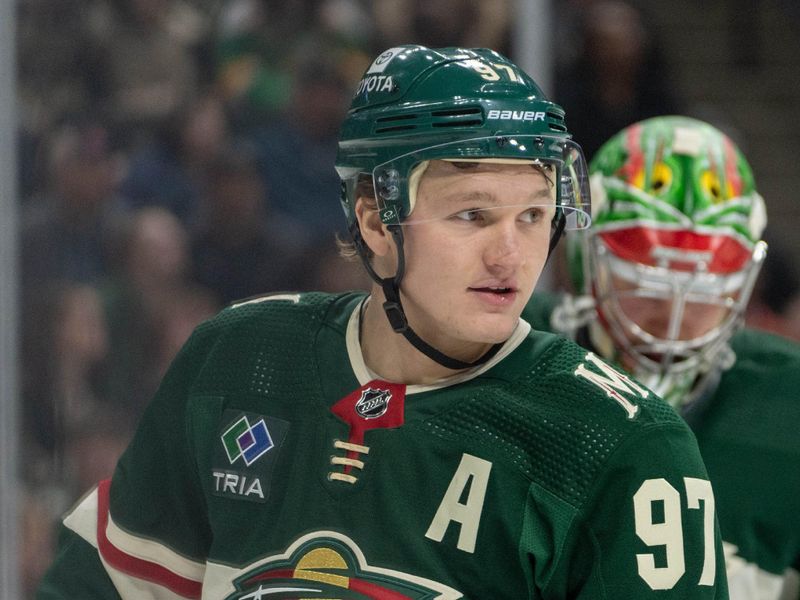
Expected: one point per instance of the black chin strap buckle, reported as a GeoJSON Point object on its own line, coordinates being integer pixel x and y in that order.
{"type": "Point", "coordinates": [397, 318]}
{"type": "Point", "coordinates": [392, 305]}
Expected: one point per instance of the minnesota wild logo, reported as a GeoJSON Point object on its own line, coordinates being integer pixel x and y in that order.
{"type": "Point", "coordinates": [328, 565]}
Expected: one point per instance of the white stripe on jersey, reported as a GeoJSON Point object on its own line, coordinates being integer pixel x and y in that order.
{"type": "Point", "coordinates": [152, 551]}
{"type": "Point", "coordinates": [83, 520]}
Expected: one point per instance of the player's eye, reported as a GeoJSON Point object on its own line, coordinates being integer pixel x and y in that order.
{"type": "Point", "coordinates": [472, 215]}
{"type": "Point", "coordinates": [535, 214]}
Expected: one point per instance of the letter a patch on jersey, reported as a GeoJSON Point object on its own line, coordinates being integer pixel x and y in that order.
{"type": "Point", "coordinates": [473, 475]}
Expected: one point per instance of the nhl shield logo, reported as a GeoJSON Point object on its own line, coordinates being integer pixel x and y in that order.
{"type": "Point", "coordinates": [373, 403]}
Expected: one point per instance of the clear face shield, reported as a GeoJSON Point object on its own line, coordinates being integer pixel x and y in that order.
{"type": "Point", "coordinates": [673, 324]}
{"type": "Point", "coordinates": [560, 194]}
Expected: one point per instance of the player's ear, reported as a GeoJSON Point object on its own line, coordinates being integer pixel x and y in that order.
{"type": "Point", "coordinates": [372, 229]}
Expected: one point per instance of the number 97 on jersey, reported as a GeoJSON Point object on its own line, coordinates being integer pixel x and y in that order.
{"type": "Point", "coordinates": [658, 516]}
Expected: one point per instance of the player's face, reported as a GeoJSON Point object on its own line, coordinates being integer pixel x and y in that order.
{"type": "Point", "coordinates": [659, 317]}
{"type": "Point", "coordinates": [475, 246]}
{"type": "Point", "coordinates": [655, 315]}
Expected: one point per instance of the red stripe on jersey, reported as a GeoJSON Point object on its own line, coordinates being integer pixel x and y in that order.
{"type": "Point", "coordinates": [370, 590]}
{"type": "Point", "coordinates": [133, 566]}
{"type": "Point", "coordinates": [272, 574]}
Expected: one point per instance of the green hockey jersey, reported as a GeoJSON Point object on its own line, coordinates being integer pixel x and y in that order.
{"type": "Point", "coordinates": [747, 430]}
{"type": "Point", "coordinates": [273, 464]}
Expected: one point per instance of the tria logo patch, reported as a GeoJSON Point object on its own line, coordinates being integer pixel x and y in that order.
{"type": "Point", "coordinates": [244, 461]}
{"type": "Point", "coordinates": [373, 403]}
{"type": "Point", "coordinates": [327, 564]}
{"type": "Point", "coordinates": [237, 485]}
{"type": "Point", "coordinates": [248, 442]}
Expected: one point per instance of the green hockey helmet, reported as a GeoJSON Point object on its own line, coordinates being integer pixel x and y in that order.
{"type": "Point", "coordinates": [416, 104]}
{"type": "Point", "coordinates": [676, 218]}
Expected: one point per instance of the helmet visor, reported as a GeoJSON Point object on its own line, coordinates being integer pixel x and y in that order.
{"type": "Point", "coordinates": [559, 160]}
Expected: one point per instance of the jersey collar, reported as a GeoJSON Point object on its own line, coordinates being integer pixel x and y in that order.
{"type": "Point", "coordinates": [365, 375]}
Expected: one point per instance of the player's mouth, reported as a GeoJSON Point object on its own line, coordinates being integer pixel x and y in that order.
{"type": "Point", "coordinates": [496, 295]}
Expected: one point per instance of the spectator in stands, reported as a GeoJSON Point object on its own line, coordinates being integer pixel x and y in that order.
{"type": "Point", "coordinates": [171, 171]}
{"type": "Point", "coordinates": [153, 269]}
{"type": "Point", "coordinates": [92, 448]}
{"type": "Point", "coordinates": [65, 346]}
{"type": "Point", "coordinates": [66, 230]}
{"type": "Point", "coordinates": [619, 77]}
{"type": "Point", "coordinates": [254, 41]}
{"type": "Point", "coordinates": [350, 22]}
{"type": "Point", "coordinates": [151, 71]}
{"type": "Point", "coordinates": [299, 149]}
{"type": "Point", "coordinates": [37, 533]}
{"type": "Point", "coordinates": [243, 246]}
{"type": "Point", "coordinates": [470, 23]}
{"type": "Point", "coordinates": [59, 62]}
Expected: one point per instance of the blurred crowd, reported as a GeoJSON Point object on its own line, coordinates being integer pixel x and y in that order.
{"type": "Point", "coordinates": [177, 155]}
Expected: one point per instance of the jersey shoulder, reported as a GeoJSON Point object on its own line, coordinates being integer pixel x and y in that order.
{"type": "Point", "coordinates": [271, 336]}
{"type": "Point", "coordinates": [560, 414]}
{"type": "Point", "coordinates": [290, 313]}
{"type": "Point", "coordinates": [548, 367]}
{"type": "Point", "coordinates": [766, 373]}
{"type": "Point", "coordinates": [768, 351]}
{"type": "Point", "coordinates": [755, 402]}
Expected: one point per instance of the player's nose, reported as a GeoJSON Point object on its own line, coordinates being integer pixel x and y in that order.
{"type": "Point", "coordinates": [504, 249]}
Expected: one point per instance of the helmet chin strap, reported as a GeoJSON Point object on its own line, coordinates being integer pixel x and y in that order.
{"type": "Point", "coordinates": [393, 307]}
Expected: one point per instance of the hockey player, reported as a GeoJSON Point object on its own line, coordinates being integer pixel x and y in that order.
{"type": "Point", "coordinates": [419, 441]}
{"type": "Point", "coordinates": [662, 281]}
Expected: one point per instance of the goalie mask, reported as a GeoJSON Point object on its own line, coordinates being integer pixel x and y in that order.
{"type": "Point", "coordinates": [417, 104]}
{"type": "Point", "coordinates": [674, 252]}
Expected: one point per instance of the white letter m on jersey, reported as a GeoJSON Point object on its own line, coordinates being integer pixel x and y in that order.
{"type": "Point", "coordinates": [613, 383]}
